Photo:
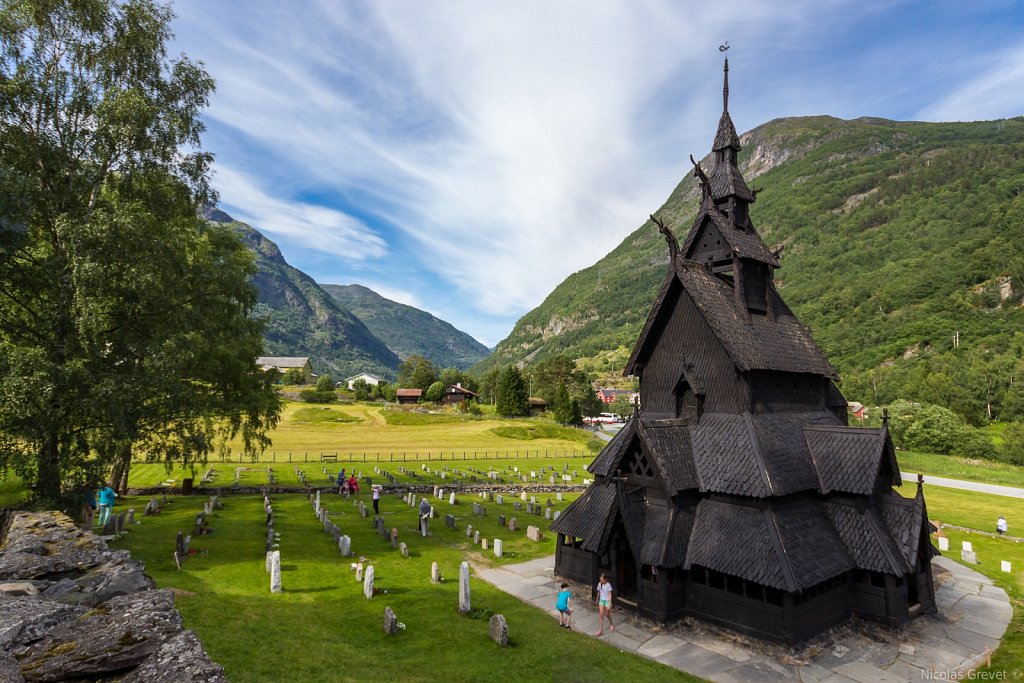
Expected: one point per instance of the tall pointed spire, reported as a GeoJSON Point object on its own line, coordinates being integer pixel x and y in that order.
{"type": "Point", "coordinates": [725, 89]}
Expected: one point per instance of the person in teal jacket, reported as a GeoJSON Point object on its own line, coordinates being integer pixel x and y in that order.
{"type": "Point", "coordinates": [107, 497]}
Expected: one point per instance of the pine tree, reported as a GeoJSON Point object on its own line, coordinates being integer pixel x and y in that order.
{"type": "Point", "coordinates": [512, 399]}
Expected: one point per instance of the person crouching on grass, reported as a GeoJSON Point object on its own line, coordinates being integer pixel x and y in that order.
{"type": "Point", "coordinates": [562, 605]}
{"type": "Point", "coordinates": [604, 605]}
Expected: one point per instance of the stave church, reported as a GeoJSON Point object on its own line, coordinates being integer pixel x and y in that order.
{"type": "Point", "coordinates": [738, 494]}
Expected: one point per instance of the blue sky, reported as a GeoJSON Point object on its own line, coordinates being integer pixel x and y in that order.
{"type": "Point", "coordinates": [465, 157]}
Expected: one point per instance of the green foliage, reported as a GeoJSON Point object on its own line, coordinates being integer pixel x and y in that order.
{"type": "Point", "coordinates": [294, 377]}
{"type": "Point", "coordinates": [317, 396]}
{"type": "Point", "coordinates": [934, 429]}
{"type": "Point", "coordinates": [435, 392]}
{"type": "Point", "coordinates": [561, 405]}
{"type": "Point", "coordinates": [621, 406]}
{"type": "Point", "coordinates": [511, 395]}
{"type": "Point", "coordinates": [545, 430]}
{"type": "Point", "coordinates": [1012, 448]}
{"type": "Point", "coordinates": [325, 383]}
{"type": "Point", "coordinates": [125, 322]}
{"type": "Point", "coordinates": [904, 254]}
{"type": "Point", "coordinates": [360, 390]}
{"type": "Point", "coordinates": [416, 372]}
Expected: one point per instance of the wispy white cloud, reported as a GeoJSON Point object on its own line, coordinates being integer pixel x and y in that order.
{"type": "Point", "coordinates": [308, 225]}
{"type": "Point", "coordinates": [994, 89]}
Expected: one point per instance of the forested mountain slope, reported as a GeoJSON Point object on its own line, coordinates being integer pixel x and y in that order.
{"type": "Point", "coordinates": [407, 330]}
{"type": "Point", "coordinates": [903, 252]}
{"type": "Point", "coordinates": [304, 320]}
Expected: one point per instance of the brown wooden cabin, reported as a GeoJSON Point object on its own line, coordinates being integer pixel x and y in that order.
{"type": "Point", "coordinates": [405, 396]}
{"type": "Point", "coordinates": [738, 494]}
{"type": "Point", "coordinates": [456, 393]}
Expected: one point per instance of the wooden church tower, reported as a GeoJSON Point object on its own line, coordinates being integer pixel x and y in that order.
{"type": "Point", "coordinates": [738, 494]}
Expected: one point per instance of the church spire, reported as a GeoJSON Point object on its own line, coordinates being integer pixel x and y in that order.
{"type": "Point", "coordinates": [725, 88]}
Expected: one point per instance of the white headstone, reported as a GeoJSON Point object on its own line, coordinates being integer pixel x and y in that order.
{"type": "Point", "coordinates": [368, 583]}
{"type": "Point", "coordinates": [439, 493]}
{"type": "Point", "coordinates": [275, 572]}
{"type": "Point", "coordinates": [533, 533]}
{"type": "Point", "coordinates": [444, 475]}
{"type": "Point", "coordinates": [476, 538]}
{"type": "Point", "coordinates": [435, 575]}
{"type": "Point", "coordinates": [943, 543]}
{"type": "Point", "coordinates": [968, 547]}
{"type": "Point", "coordinates": [558, 496]}
{"type": "Point", "coordinates": [359, 572]}
{"type": "Point", "coordinates": [270, 555]}
{"type": "Point", "coordinates": [497, 547]}
{"type": "Point", "coordinates": [1004, 565]}
{"type": "Point", "coordinates": [451, 498]}
{"type": "Point", "coordinates": [345, 546]}
{"type": "Point", "coordinates": [501, 499]}
{"type": "Point", "coordinates": [557, 514]}
{"type": "Point", "coordinates": [969, 556]}
{"type": "Point", "coordinates": [522, 496]}
{"type": "Point", "coordinates": [483, 543]}
{"type": "Point", "coordinates": [464, 602]}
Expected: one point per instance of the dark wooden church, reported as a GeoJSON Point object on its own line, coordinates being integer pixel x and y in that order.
{"type": "Point", "coordinates": [738, 494]}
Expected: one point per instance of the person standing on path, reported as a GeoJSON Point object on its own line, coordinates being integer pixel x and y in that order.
{"type": "Point", "coordinates": [376, 499]}
{"type": "Point", "coordinates": [562, 605]}
{"type": "Point", "coordinates": [604, 605]}
{"type": "Point", "coordinates": [424, 516]}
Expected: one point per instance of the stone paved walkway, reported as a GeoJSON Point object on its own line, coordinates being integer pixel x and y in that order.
{"type": "Point", "coordinates": [973, 615]}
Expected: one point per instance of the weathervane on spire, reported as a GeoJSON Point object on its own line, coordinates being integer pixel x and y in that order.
{"type": "Point", "coordinates": [724, 49]}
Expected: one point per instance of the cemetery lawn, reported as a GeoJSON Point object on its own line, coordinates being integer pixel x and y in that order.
{"type": "Point", "coordinates": [322, 628]}
{"type": "Point", "coordinates": [979, 511]}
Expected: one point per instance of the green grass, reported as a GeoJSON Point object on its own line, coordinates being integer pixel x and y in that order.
{"type": "Point", "coordinates": [321, 628]}
{"type": "Point", "coordinates": [542, 430]}
{"type": "Point", "coordinates": [955, 467]}
{"type": "Point", "coordinates": [322, 415]}
{"type": "Point", "coordinates": [411, 418]}
{"type": "Point", "coordinates": [12, 491]}
{"type": "Point", "coordinates": [979, 511]}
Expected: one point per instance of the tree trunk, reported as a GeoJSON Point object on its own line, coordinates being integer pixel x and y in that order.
{"type": "Point", "coordinates": [48, 473]}
{"type": "Point", "coordinates": [119, 470]}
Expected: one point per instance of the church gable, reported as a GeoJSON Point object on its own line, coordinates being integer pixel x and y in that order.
{"type": "Point", "coordinates": [850, 459]}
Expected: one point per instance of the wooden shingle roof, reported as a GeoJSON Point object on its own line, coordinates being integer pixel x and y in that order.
{"type": "Point", "coordinates": [726, 135]}
{"type": "Point", "coordinates": [755, 342]}
{"type": "Point", "coordinates": [849, 459]}
{"type": "Point", "coordinates": [590, 516]}
{"type": "Point", "coordinates": [727, 180]}
{"type": "Point", "coordinates": [867, 538]}
{"type": "Point", "coordinates": [905, 518]}
{"type": "Point", "coordinates": [789, 546]}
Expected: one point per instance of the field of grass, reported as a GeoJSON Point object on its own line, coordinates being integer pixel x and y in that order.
{"type": "Point", "coordinates": [969, 469]}
{"type": "Point", "coordinates": [979, 511]}
{"type": "Point", "coordinates": [322, 628]}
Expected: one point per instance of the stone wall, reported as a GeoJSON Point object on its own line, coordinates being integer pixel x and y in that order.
{"type": "Point", "coordinates": [72, 609]}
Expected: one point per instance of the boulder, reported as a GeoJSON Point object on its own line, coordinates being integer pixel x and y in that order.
{"type": "Point", "coordinates": [16, 588]}
{"type": "Point", "coordinates": [118, 635]}
{"type": "Point", "coordinates": [27, 619]}
{"type": "Point", "coordinates": [499, 630]}
{"type": "Point", "coordinates": [10, 670]}
{"type": "Point", "coordinates": [182, 658]}
{"type": "Point", "coordinates": [390, 622]}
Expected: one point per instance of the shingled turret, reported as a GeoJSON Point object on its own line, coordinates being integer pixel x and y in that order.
{"type": "Point", "coordinates": [738, 493]}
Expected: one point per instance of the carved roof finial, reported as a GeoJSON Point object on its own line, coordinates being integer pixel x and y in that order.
{"type": "Point", "coordinates": [670, 237]}
{"type": "Point", "coordinates": [724, 48]}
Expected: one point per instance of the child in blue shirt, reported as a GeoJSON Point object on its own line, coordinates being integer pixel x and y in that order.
{"type": "Point", "coordinates": [562, 605]}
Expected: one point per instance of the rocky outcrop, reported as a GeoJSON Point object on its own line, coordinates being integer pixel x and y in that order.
{"type": "Point", "coordinates": [94, 613]}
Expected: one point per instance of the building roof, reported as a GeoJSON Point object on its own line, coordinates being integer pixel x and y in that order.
{"type": "Point", "coordinates": [727, 180]}
{"type": "Point", "coordinates": [455, 389]}
{"type": "Point", "coordinates": [790, 546]}
{"type": "Point", "coordinates": [849, 459]}
{"type": "Point", "coordinates": [867, 537]}
{"type": "Point", "coordinates": [590, 516]}
{"type": "Point", "coordinates": [282, 361]}
{"type": "Point", "coordinates": [364, 374]}
{"type": "Point", "coordinates": [409, 393]}
{"type": "Point", "coordinates": [742, 243]}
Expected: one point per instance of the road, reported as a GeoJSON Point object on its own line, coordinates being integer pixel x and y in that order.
{"type": "Point", "coordinates": [910, 478]}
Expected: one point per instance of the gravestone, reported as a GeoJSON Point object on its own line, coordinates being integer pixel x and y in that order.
{"type": "Point", "coordinates": [394, 538]}
{"type": "Point", "coordinates": [512, 526]}
{"type": "Point", "coordinates": [436, 490]}
{"type": "Point", "coordinates": [497, 547]}
{"type": "Point", "coordinates": [270, 557]}
{"type": "Point", "coordinates": [969, 556]}
{"type": "Point", "coordinates": [501, 520]}
{"type": "Point", "coordinates": [344, 546]}
{"type": "Point", "coordinates": [435, 575]}
{"type": "Point", "coordinates": [529, 508]}
{"type": "Point", "coordinates": [968, 546]}
{"type": "Point", "coordinates": [362, 510]}
{"type": "Point", "coordinates": [368, 582]}
{"type": "Point", "coordinates": [469, 530]}
{"type": "Point", "coordinates": [404, 549]}
{"type": "Point", "coordinates": [131, 516]}
{"type": "Point", "coordinates": [275, 572]}
{"type": "Point", "coordinates": [476, 538]}
{"type": "Point", "coordinates": [359, 571]}
{"type": "Point", "coordinates": [943, 543]}
{"type": "Point", "coordinates": [483, 543]}
{"type": "Point", "coordinates": [500, 499]}
{"type": "Point", "coordinates": [390, 622]}
{"type": "Point", "coordinates": [533, 533]}
{"type": "Point", "coordinates": [451, 498]}
{"type": "Point", "coordinates": [558, 496]}
{"type": "Point", "coordinates": [517, 506]}
{"type": "Point", "coordinates": [499, 630]}
{"type": "Point", "coordinates": [439, 493]}
{"type": "Point", "coordinates": [1004, 566]}
{"type": "Point", "coordinates": [522, 496]}
{"type": "Point", "coordinates": [554, 517]}
{"type": "Point", "coordinates": [464, 602]}
{"type": "Point", "coordinates": [547, 513]}
{"type": "Point", "coordinates": [533, 499]}
{"type": "Point", "coordinates": [449, 521]}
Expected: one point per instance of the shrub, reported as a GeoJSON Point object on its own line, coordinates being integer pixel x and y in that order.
{"type": "Point", "coordinates": [316, 396]}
